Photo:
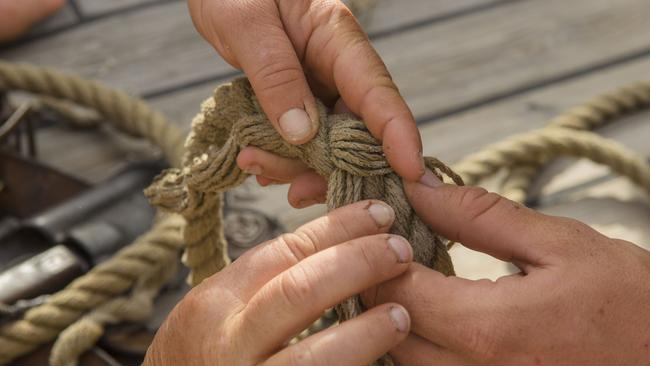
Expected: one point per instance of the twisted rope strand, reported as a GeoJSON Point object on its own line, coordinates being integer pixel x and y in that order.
{"type": "Point", "coordinates": [42, 324]}
{"type": "Point", "coordinates": [594, 114]}
{"type": "Point", "coordinates": [343, 151]}
{"type": "Point", "coordinates": [130, 115]}
{"type": "Point", "coordinates": [550, 143]}
{"type": "Point", "coordinates": [118, 275]}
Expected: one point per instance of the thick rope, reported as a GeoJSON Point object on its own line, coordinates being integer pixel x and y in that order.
{"type": "Point", "coordinates": [128, 114]}
{"type": "Point", "coordinates": [149, 254]}
{"type": "Point", "coordinates": [343, 152]}
{"type": "Point", "coordinates": [543, 145]}
{"type": "Point", "coordinates": [589, 116]}
{"type": "Point", "coordinates": [111, 281]}
{"type": "Point", "coordinates": [134, 307]}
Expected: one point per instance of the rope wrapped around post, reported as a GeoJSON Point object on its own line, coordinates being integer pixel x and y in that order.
{"type": "Point", "coordinates": [343, 152]}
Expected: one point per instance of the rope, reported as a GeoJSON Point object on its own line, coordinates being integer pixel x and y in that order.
{"type": "Point", "coordinates": [112, 290]}
{"type": "Point", "coordinates": [593, 114]}
{"type": "Point", "coordinates": [149, 254]}
{"type": "Point", "coordinates": [343, 151]}
{"type": "Point", "coordinates": [130, 115]}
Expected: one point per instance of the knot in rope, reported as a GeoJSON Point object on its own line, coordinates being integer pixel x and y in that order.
{"type": "Point", "coordinates": [343, 152]}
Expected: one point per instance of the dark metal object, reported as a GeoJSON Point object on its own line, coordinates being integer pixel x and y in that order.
{"type": "Point", "coordinates": [15, 125]}
{"type": "Point", "coordinates": [30, 187]}
{"type": "Point", "coordinates": [41, 274]}
{"type": "Point", "coordinates": [90, 227]}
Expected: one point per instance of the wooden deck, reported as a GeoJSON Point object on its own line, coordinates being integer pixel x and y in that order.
{"type": "Point", "coordinates": [473, 71]}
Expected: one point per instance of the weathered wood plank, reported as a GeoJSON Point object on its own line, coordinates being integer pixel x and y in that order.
{"type": "Point", "coordinates": [613, 207]}
{"type": "Point", "coordinates": [444, 67]}
{"type": "Point", "coordinates": [97, 7]}
{"type": "Point", "coordinates": [138, 53]}
{"type": "Point", "coordinates": [391, 14]}
{"type": "Point", "coordinates": [449, 139]}
{"type": "Point", "coordinates": [63, 18]}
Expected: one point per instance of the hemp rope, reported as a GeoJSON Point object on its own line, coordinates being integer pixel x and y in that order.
{"type": "Point", "coordinates": [344, 151]}
{"type": "Point", "coordinates": [110, 282]}
{"type": "Point", "coordinates": [596, 113]}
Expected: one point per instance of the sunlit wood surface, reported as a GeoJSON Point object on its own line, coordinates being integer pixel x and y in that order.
{"type": "Point", "coordinates": [473, 71]}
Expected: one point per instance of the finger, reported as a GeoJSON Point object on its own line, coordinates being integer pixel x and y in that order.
{"type": "Point", "coordinates": [264, 181]}
{"type": "Point", "coordinates": [17, 16]}
{"type": "Point", "coordinates": [359, 341]}
{"type": "Point", "coordinates": [452, 312]}
{"type": "Point", "coordinates": [340, 108]}
{"type": "Point", "coordinates": [259, 265]}
{"type": "Point", "coordinates": [297, 297]}
{"type": "Point", "coordinates": [269, 59]}
{"type": "Point", "coordinates": [307, 189]}
{"type": "Point", "coordinates": [255, 161]}
{"type": "Point", "coordinates": [492, 224]}
{"type": "Point", "coordinates": [417, 351]}
{"type": "Point", "coordinates": [369, 91]}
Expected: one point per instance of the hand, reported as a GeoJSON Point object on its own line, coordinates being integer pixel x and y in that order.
{"type": "Point", "coordinates": [17, 16]}
{"type": "Point", "coordinates": [581, 298]}
{"type": "Point", "coordinates": [245, 314]}
{"type": "Point", "coordinates": [293, 50]}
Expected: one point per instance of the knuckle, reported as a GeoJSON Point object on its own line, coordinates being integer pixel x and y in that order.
{"type": "Point", "coordinates": [366, 252]}
{"type": "Point", "coordinates": [383, 84]}
{"type": "Point", "coordinates": [279, 73]}
{"type": "Point", "coordinates": [330, 11]}
{"type": "Point", "coordinates": [297, 246]}
{"type": "Point", "coordinates": [374, 257]}
{"type": "Point", "coordinates": [475, 202]}
{"type": "Point", "coordinates": [481, 342]}
{"type": "Point", "coordinates": [296, 287]}
{"type": "Point", "coordinates": [194, 304]}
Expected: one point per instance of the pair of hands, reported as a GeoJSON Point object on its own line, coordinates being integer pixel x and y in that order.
{"type": "Point", "coordinates": [580, 298]}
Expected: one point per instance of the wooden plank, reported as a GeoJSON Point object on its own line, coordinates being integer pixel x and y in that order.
{"type": "Point", "coordinates": [133, 51]}
{"type": "Point", "coordinates": [443, 67]}
{"type": "Point", "coordinates": [449, 139]}
{"type": "Point", "coordinates": [452, 138]}
{"type": "Point", "coordinates": [613, 207]}
{"type": "Point", "coordinates": [384, 15]}
{"type": "Point", "coordinates": [456, 62]}
{"type": "Point", "coordinates": [140, 55]}
{"type": "Point", "coordinates": [63, 18]}
{"type": "Point", "coordinates": [97, 7]}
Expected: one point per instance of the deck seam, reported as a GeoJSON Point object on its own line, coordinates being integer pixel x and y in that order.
{"type": "Point", "coordinates": [83, 20]}
{"type": "Point", "coordinates": [537, 84]}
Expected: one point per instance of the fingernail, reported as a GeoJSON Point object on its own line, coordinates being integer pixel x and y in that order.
{"type": "Point", "coordinates": [306, 203]}
{"type": "Point", "coordinates": [381, 213]}
{"type": "Point", "coordinates": [430, 180]}
{"type": "Point", "coordinates": [400, 318]}
{"type": "Point", "coordinates": [253, 169]}
{"type": "Point", "coordinates": [296, 124]}
{"type": "Point", "coordinates": [401, 247]}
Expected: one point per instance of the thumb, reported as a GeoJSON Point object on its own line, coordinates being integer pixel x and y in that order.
{"type": "Point", "coordinates": [492, 224]}
{"type": "Point", "coordinates": [270, 62]}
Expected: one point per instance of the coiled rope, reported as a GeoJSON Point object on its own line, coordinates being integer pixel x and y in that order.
{"type": "Point", "coordinates": [123, 286]}
{"type": "Point", "coordinates": [343, 151]}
